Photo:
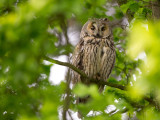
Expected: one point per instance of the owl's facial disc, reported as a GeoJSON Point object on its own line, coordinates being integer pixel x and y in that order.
{"type": "Point", "coordinates": [98, 30]}
{"type": "Point", "coordinates": [105, 31]}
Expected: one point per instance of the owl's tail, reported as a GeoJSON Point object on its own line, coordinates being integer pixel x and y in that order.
{"type": "Point", "coordinates": [101, 88]}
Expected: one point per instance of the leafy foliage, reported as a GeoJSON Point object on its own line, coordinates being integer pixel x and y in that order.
{"type": "Point", "coordinates": [25, 40]}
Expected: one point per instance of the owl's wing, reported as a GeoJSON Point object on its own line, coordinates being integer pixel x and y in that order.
{"type": "Point", "coordinates": [111, 58]}
{"type": "Point", "coordinates": [108, 61]}
{"type": "Point", "coordinates": [112, 62]}
{"type": "Point", "coordinates": [76, 60]}
{"type": "Point", "coordinates": [78, 55]}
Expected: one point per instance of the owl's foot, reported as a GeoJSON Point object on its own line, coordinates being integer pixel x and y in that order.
{"type": "Point", "coordinates": [97, 76]}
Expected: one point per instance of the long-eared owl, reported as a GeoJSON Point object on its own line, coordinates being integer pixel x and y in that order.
{"type": "Point", "coordinates": [95, 52]}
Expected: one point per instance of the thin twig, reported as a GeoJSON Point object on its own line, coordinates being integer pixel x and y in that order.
{"type": "Point", "coordinates": [118, 111]}
{"type": "Point", "coordinates": [67, 98]}
{"type": "Point", "coordinates": [151, 3]}
{"type": "Point", "coordinates": [70, 115]}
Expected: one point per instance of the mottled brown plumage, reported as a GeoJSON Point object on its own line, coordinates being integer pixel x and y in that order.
{"type": "Point", "coordinates": [95, 53]}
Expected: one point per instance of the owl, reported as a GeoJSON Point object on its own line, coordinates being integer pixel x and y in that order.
{"type": "Point", "coordinates": [95, 53]}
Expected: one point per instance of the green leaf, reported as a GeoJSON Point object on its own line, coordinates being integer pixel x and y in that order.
{"type": "Point", "coordinates": [134, 7]}
{"type": "Point", "coordinates": [129, 5]}
{"type": "Point", "coordinates": [82, 90]}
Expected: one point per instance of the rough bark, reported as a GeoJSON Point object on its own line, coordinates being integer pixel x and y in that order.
{"type": "Point", "coordinates": [155, 7]}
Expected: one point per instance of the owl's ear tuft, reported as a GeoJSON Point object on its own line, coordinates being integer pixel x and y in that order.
{"type": "Point", "coordinates": [105, 19]}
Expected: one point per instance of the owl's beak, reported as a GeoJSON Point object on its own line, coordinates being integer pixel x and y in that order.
{"type": "Point", "coordinates": [98, 35]}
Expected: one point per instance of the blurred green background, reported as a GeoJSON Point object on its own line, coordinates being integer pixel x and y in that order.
{"type": "Point", "coordinates": [30, 30]}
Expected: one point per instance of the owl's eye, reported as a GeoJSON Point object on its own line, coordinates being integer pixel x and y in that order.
{"type": "Point", "coordinates": [92, 28]}
{"type": "Point", "coordinates": [103, 29]}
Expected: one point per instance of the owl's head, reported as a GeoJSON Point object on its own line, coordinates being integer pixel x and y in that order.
{"type": "Point", "coordinates": [98, 28]}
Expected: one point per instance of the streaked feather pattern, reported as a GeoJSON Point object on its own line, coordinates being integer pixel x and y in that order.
{"type": "Point", "coordinates": [94, 55]}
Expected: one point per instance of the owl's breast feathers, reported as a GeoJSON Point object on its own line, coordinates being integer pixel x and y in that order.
{"type": "Point", "coordinates": [95, 57]}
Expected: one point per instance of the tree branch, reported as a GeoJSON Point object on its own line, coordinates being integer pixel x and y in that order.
{"type": "Point", "coordinates": [67, 65]}
{"type": "Point", "coordinates": [152, 102]}
{"type": "Point", "coordinates": [99, 82]}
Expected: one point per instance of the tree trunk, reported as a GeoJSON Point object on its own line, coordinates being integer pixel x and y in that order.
{"type": "Point", "coordinates": [155, 7]}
